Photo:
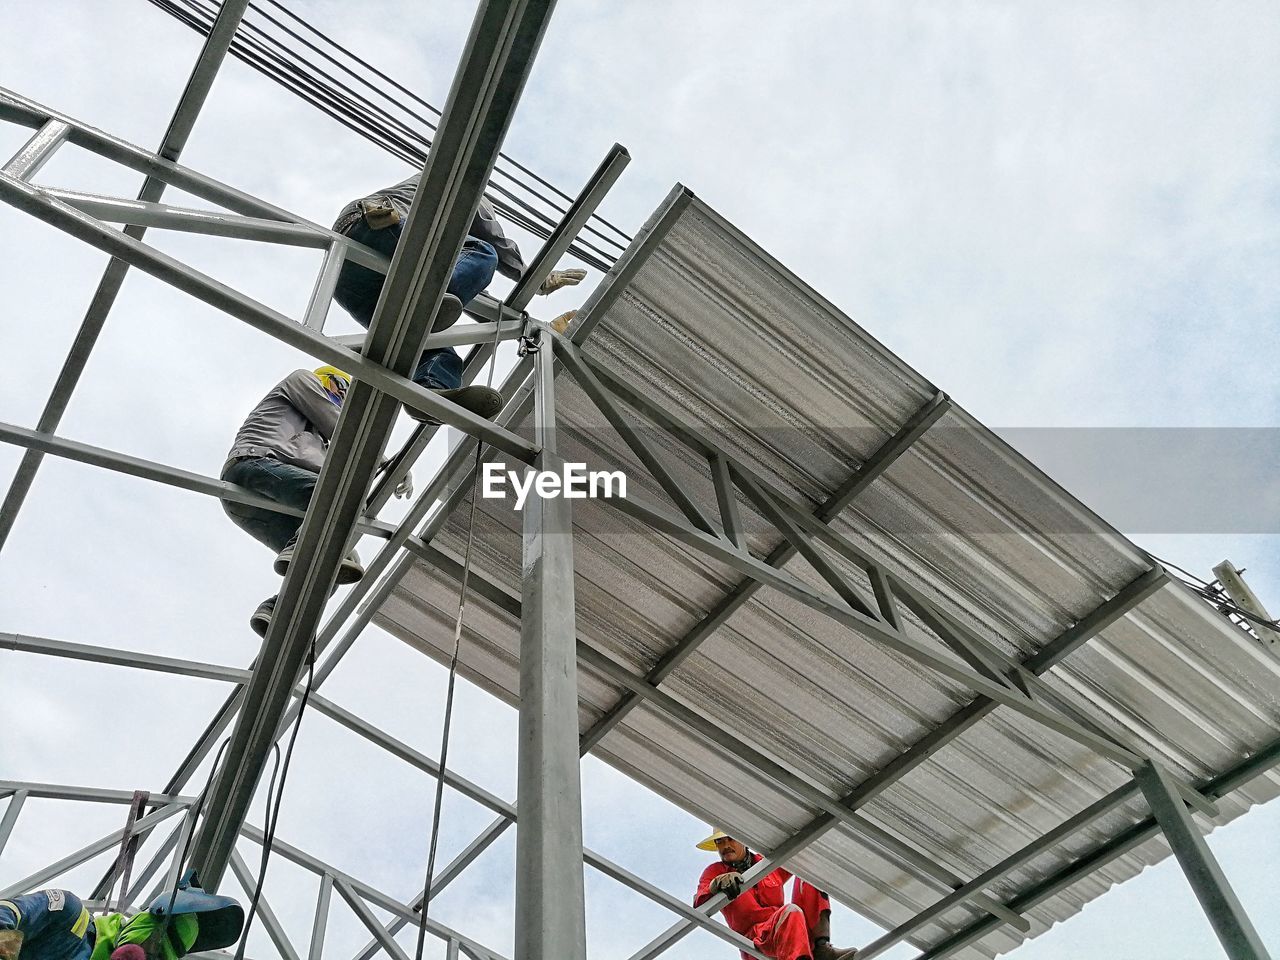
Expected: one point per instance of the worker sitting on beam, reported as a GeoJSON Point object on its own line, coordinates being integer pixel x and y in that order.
{"type": "Point", "coordinates": [278, 453]}
{"type": "Point", "coordinates": [55, 925]}
{"type": "Point", "coordinates": [376, 221]}
{"type": "Point", "coordinates": [799, 930]}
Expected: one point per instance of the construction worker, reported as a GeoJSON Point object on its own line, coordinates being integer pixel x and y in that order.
{"type": "Point", "coordinates": [799, 930]}
{"type": "Point", "coordinates": [55, 925]}
{"type": "Point", "coordinates": [278, 453]}
{"type": "Point", "coordinates": [376, 221]}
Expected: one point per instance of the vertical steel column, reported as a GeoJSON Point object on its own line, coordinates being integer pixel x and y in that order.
{"type": "Point", "coordinates": [1232, 925]}
{"type": "Point", "coordinates": [550, 898]}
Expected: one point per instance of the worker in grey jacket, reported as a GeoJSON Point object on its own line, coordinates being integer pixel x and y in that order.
{"type": "Point", "coordinates": [376, 221]}
{"type": "Point", "coordinates": [278, 453]}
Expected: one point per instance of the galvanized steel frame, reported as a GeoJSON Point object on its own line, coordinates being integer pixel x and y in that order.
{"type": "Point", "coordinates": [504, 38]}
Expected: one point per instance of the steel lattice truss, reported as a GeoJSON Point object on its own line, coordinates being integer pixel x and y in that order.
{"type": "Point", "coordinates": [264, 700]}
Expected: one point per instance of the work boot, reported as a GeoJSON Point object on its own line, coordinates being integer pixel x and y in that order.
{"type": "Point", "coordinates": [823, 950]}
{"type": "Point", "coordinates": [448, 314]}
{"type": "Point", "coordinates": [261, 618]}
{"type": "Point", "coordinates": [351, 571]}
{"type": "Point", "coordinates": [482, 401]}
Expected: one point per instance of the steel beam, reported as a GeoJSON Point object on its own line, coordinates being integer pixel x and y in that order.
{"type": "Point", "coordinates": [37, 151]}
{"type": "Point", "coordinates": [574, 219]}
{"type": "Point", "coordinates": [1227, 916]}
{"type": "Point", "coordinates": [876, 464]}
{"type": "Point", "coordinates": [160, 473]}
{"type": "Point", "coordinates": [16, 802]}
{"type": "Point", "coordinates": [187, 220]}
{"type": "Point", "coordinates": [550, 894]}
{"type": "Point", "coordinates": [85, 853]}
{"type": "Point", "coordinates": [363, 890]}
{"type": "Point", "coordinates": [587, 381]}
{"type": "Point", "coordinates": [320, 924]}
{"type": "Point", "coordinates": [1264, 761]}
{"type": "Point", "coordinates": [175, 138]}
{"type": "Point", "coordinates": [269, 919]}
{"type": "Point", "coordinates": [368, 372]}
{"type": "Point", "coordinates": [504, 39]}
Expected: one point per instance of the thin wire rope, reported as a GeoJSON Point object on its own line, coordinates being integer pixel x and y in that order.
{"type": "Point", "coordinates": [273, 808]}
{"type": "Point", "coordinates": [447, 726]}
{"type": "Point", "coordinates": [438, 802]}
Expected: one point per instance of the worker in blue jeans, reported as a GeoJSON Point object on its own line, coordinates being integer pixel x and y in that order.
{"type": "Point", "coordinates": [278, 453]}
{"type": "Point", "coordinates": [377, 221]}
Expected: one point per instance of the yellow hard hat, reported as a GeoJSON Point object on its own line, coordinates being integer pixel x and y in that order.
{"type": "Point", "coordinates": [334, 380]}
{"type": "Point", "coordinates": [710, 842]}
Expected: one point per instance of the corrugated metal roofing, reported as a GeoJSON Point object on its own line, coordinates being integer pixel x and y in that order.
{"type": "Point", "coordinates": [718, 335]}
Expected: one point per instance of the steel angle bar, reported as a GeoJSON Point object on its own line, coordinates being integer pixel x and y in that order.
{"type": "Point", "coordinates": [37, 151]}
{"type": "Point", "coordinates": [1067, 720]}
{"type": "Point", "coordinates": [62, 791]}
{"type": "Point", "coordinates": [317, 310]}
{"type": "Point", "coordinates": [567, 353]}
{"type": "Point", "coordinates": [269, 919]}
{"type": "Point", "coordinates": [366, 917]}
{"type": "Point", "coordinates": [504, 39]}
{"type": "Point", "coordinates": [876, 464]}
{"type": "Point", "coordinates": [320, 924]}
{"type": "Point", "coordinates": [1261, 762]}
{"type": "Point", "coordinates": [441, 880]}
{"type": "Point", "coordinates": [633, 259]}
{"type": "Point", "coordinates": [871, 629]}
{"type": "Point", "coordinates": [159, 473]}
{"type": "Point", "coordinates": [363, 890]}
{"type": "Point", "coordinates": [460, 335]}
{"type": "Point", "coordinates": [1062, 646]}
{"type": "Point", "coordinates": [574, 219]}
{"type": "Point", "coordinates": [893, 848]}
{"type": "Point", "coordinates": [168, 269]}
{"type": "Point", "coordinates": [187, 220]}
{"type": "Point", "coordinates": [730, 518]}
{"type": "Point", "coordinates": [87, 852]}
{"type": "Point", "coordinates": [804, 546]}
{"type": "Point", "coordinates": [1226, 914]}
{"type": "Point", "coordinates": [11, 812]}
{"type": "Point", "coordinates": [175, 137]}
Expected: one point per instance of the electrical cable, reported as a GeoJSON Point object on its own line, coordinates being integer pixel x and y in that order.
{"type": "Point", "coordinates": [287, 66]}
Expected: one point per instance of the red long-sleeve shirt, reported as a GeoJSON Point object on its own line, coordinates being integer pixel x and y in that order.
{"type": "Point", "coordinates": [753, 910]}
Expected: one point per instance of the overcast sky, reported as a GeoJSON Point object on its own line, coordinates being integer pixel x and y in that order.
{"type": "Point", "coordinates": [1063, 215]}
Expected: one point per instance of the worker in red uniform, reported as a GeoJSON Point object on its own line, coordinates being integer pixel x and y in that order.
{"type": "Point", "coordinates": [799, 930]}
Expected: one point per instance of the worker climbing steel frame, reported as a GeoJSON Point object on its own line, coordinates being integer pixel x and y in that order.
{"type": "Point", "coordinates": [504, 38]}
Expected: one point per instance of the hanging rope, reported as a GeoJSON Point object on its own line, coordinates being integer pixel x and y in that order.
{"type": "Point", "coordinates": [447, 725]}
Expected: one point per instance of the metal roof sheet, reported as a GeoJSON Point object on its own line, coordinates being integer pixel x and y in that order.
{"type": "Point", "coordinates": [714, 332]}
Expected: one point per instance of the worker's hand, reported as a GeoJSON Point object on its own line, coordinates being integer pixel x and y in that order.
{"type": "Point", "coordinates": [730, 884]}
{"type": "Point", "coordinates": [404, 489]}
{"type": "Point", "coordinates": [10, 944]}
{"type": "Point", "coordinates": [561, 323]}
{"type": "Point", "coordinates": [561, 278]}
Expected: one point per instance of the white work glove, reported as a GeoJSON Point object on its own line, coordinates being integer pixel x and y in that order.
{"type": "Point", "coordinates": [561, 323]}
{"type": "Point", "coordinates": [730, 884]}
{"type": "Point", "coordinates": [561, 278]}
{"type": "Point", "coordinates": [404, 489]}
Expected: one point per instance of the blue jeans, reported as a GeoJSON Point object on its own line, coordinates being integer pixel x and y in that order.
{"type": "Point", "coordinates": [281, 482]}
{"type": "Point", "coordinates": [359, 287]}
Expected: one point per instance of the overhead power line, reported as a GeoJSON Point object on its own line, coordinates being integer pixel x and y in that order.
{"type": "Point", "coordinates": [286, 48]}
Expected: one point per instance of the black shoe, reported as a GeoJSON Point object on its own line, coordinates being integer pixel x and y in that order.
{"type": "Point", "coordinates": [482, 401]}
{"type": "Point", "coordinates": [261, 619]}
{"type": "Point", "coordinates": [351, 571]}
{"type": "Point", "coordinates": [448, 314]}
